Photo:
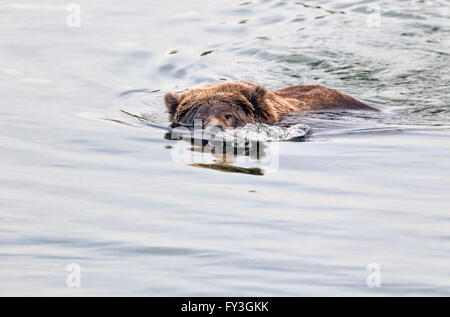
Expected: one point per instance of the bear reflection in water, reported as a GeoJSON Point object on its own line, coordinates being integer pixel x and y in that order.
{"type": "Point", "coordinates": [223, 152]}
{"type": "Point", "coordinates": [249, 144]}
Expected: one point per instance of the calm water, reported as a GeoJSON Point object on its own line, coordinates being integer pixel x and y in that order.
{"type": "Point", "coordinates": [84, 182]}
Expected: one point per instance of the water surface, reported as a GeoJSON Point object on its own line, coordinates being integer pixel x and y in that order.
{"type": "Point", "coordinates": [85, 182]}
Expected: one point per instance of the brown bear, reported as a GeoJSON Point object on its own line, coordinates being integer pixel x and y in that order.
{"type": "Point", "coordinates": [235, 104]}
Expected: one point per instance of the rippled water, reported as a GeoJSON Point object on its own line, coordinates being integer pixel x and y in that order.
{"type": "Point", "coordinates": [90, 177]}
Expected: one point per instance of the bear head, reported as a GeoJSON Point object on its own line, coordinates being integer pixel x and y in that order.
{"type": "Point", "coordinates": [221, 105]}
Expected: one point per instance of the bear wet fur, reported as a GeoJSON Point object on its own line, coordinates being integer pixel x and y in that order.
{"type": "Point", "coordinates": [234, 104]}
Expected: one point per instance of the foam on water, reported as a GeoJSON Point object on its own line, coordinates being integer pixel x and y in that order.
{"type": "Point", "coordinates": [265, 132]}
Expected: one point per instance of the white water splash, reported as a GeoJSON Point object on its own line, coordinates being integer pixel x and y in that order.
{"type": "Point", "coordinates": [264, 132]}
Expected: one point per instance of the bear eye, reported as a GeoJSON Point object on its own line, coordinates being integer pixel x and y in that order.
{"type": "Point", "coordinates": [228, 117]}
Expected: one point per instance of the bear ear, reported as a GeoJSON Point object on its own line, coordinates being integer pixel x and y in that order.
{"type": "Point", "coordinates": [263, 111]}
{"type": "Point", "coordinates": [172, 100]}
{"type": "Point", "coordinates": [256, 95]}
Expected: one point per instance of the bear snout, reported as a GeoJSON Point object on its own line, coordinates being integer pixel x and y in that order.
{"type": "Point", "coordinates": [215, 124]}
{"type": "Point", "coordinates": [217, 128]}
